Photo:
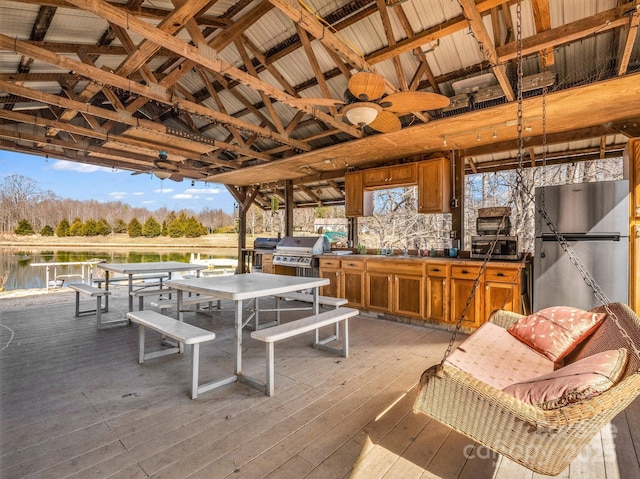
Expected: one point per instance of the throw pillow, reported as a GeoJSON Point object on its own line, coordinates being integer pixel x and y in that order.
{"type": "Point", "coordinates": [556, 331]}
{"type": "Point", "coordinates": [584, 379]}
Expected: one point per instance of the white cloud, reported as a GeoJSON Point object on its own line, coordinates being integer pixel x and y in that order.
{"type": "Point", "coordinates": [118, 195]}
{"type": "Point", "coordinates": [62, 165]}
{"type": "Point", "coordinates": [148, 202]}
{"type": "Point", "coordinates": [203, 191]}
{"type": "Point", "coordinates": [138, 193]}
{"type": "Point", "coordinates": [163, 190]}
{"type": "Point", "coordinates": [183, 196]}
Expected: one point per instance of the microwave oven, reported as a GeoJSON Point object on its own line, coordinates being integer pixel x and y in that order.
{"type": "Point", "coordinates": [506, 247]}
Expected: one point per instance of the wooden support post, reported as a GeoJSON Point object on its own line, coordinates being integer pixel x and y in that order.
{"type": "Point", "coordinates": [457, 189]}
{"type": "Point", "coordinates": [288, 208]}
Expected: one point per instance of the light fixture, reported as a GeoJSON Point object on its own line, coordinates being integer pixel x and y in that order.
{"type": "Point", "coordinates": [361, 113]}
{"type": "Point", "coordinates": [495, 134]}
{"type": "Point", "coordinates": [162, 174]}
{"type": "Point", "coordinates": [444, 141]}
{"type": "Point", "coordinates": [478, 138]}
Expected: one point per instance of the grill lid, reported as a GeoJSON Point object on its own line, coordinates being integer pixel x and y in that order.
{"type": "Point", "coordinates": [303, 245]}
{"type": "Point", "coordinates": [266, 243]}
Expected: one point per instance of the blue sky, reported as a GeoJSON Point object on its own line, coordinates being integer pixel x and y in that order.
{"type": "Point", "coordinates": [79, 181]}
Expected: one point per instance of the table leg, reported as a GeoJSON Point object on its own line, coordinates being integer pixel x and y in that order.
{"type": "Point", "coordinates": [179, 301]}
{"type": "Point", "coordinates": [106, 288]}
{"type": "Point", "coordinates": [238, 337]}
{"type": "Point", "coordinates": [130, 291]}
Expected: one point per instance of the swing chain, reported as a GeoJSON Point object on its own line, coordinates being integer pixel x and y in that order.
{"type": "Point", "coordinates": [503, 220]}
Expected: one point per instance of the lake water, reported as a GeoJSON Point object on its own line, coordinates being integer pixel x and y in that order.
{"type": "Point", "coordinates": [24, 276]}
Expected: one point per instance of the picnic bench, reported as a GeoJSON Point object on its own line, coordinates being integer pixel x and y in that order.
{"type": "Point", "coordinates": [136, 277]}
{"type": "Point", "coordinates": [290, 329]}
{"type": "Point", "coordinates": [182, 332]}
{"type": "Point", "coordinates": [308, 298]}
{"type": "Point", "coordinates": [93, 292]}
{"type": "Point", "coordinates": [143, 293]}
{"type": "Point", "coordinates": [165, 303]}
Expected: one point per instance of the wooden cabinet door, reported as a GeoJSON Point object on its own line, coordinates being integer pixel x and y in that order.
{"type": "Point", "coordinates": [500, 296]}
{"type": "Point", "coordinates": [357, 201]}
{"type": "Point", "coordinates": [378, 291]}
{"type": "Point", "coordinates": [434, 186]}
{"type": "Point", "coordinates": [408, 295]}
{"type": "Point", "coordinates": [401, 175]}
{"type": "Point", "coordinates": [376, 177]}
{"type": "Point", "coordinates": [353, 281]}
{"type": "Point", "coordinates": [463, 279]}
{"type": "Point", "coordinates": [460, 291]}
{"type": "Point", "coordinates": [353, 287]}
{"type": "Point", "coordinates": [437, 292]}
{"type": "Point", "coordinates": [334, 286]}
{"type": "Point", "coordinates": [501, 289]}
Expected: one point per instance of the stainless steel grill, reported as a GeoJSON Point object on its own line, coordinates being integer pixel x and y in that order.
{"type": "Point", "coordinates": [300, 251]}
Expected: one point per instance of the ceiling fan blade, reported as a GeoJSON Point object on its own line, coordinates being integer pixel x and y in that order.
{"type": "Point", "coordinates": [367, 86]}
{"type": "Point", "coordinates": [404, 103]}
{"type": "Point", "coordinates": [386, 122]}
{"type": "Point", "coordinates": [315, 102]}
{"type": "Point", "coordinates": [176, 177]}
{"type": "Point", "coordinates": [165, 165]}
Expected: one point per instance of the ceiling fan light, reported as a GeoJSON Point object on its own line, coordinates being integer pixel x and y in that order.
{"type": "Point", "coordinates": [362, 113]}
{"type": "Point", "coordinates": [162, 174]}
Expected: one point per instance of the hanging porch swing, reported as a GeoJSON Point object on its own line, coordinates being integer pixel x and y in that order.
{"type": "Point", "coordinates": [539, 407]}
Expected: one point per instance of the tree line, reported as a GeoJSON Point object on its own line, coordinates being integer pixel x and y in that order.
{"type": "Point", "coordinates": [25, 208]}
{"type": "Point", "coordinates": [174, 227]}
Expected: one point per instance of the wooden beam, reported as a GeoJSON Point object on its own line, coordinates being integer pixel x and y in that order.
{"type": "Point", "coordinates": [632, 33]}
{"type": "Point", "coordinates": [156, 93]}
{"type": "Point", "coordinates": [207, 57]}
{"type": "Point", "coordinates": [476, 24]}
{"type": "Point", "coordinates": [542, 21]}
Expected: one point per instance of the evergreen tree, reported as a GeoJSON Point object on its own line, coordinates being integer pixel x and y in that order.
{"type": "Point", "coordinates": [176, 226]}
{"type": "Point", "coordinates": [134, 228]}
{"type": "Point", "coordinates": [192, 228]}
{"type": "Point", "coordinates": [120, 226]}
{"type": "Point", "coordinates": [165, 230]}
{"type": "Point", "coordinates": [90, 228]}
{"type": "Point", "coordinates": [103, 227]}
{"type": "Point", "coordinates": [46, 231]}
{"type": "Point", "coordinates": [63, 228]}
{"type": "Point", "coordinates": [76, 228]}
{"type": "Point", "coordinates": [24, 228]}
{"type": "Point", "coordinates": [151, 228]}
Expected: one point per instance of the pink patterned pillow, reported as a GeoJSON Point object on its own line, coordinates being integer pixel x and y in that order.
{"type": "Point", "coordinates": [556, 331]}
{"type": "Point", "coordinates": [573, 383]}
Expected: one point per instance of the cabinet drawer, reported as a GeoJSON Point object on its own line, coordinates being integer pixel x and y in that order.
{"type": "Point", "coordinates": [502, 275]}
{"type": "Point", "coordinates": [465, 272]}
{"type": "Point", "coordinates": [329, 263]}
{"type": "Point", "coordinates": [353, 264]}
{"type": "Point", "coordinates": [415, 268]}
{"type": "Point", "coordinates": [439, 270]}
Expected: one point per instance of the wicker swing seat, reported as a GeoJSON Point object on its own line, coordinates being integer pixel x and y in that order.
{"type": "Point", "coordinates": [544, 441]}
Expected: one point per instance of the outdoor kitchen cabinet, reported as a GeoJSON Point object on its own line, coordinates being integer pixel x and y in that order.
{"type": "Point", "coordinates": [502, 289]}
{"type": "Point", "coordinates": [400, 292]}
{"type": "Point", "coordinates": [353, 281]}
{"type": "Point", "coordinates": [463, 278]}
{"type": "Point", "coordinates": [391, 176]}
{"type": "Point", "coordinates": [437, 291]}
{"type": "Point", "coordinates": [346, 278]}
{"type": "Point", "coordinates": [434, 186]}
{"type": "Point", "coordinates": [357, 201]}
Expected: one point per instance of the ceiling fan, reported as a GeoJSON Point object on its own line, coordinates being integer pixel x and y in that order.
{"type": "Point", "coordinates": [367, 105]}
{"type": "Point", "coordinates": [163, 168]}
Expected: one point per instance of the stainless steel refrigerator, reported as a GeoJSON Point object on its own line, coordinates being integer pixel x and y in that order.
{"type": "Point", "coordinates": [594, 219]}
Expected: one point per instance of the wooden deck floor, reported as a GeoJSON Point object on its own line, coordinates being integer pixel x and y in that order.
{"type": "Point", "coordinates": [75, 403]}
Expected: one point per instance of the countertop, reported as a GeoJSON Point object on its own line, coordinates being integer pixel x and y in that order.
{"type": "Point", "coordinates": [400, 257]}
